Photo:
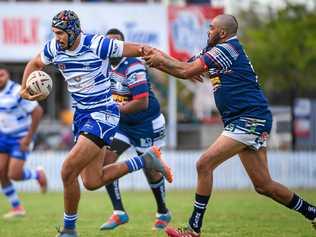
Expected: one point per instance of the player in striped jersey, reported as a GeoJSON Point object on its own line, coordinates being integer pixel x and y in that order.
{"type": "Point", "coordinates": [246, 117]}
{"type": "Point", "coordinates": [19, 119]}
{"type": "Point", "coordinates": [141, 126]}
{"type": "Point", "coordinates": [83, 61]}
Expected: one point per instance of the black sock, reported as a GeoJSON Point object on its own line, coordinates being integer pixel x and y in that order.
{"type": "Point", "coordinates": [303, 207]}
{"type": "Point", "coordinates": [196, 219]}
{"type": "Point", "coordinates": [115, 195]}
{"type": "Point", "coordinates": [159, 191]}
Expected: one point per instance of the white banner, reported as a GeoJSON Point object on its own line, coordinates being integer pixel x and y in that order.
{"type": "Point", "coordinates": [25, 27]}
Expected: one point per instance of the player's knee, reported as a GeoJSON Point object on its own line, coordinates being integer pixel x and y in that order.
{"type": "Point", "coordinates": [89, 185]}
{"type": "Point", "coordinates": [15, 175]}
{"type": "Point", "coordinates": [68, 173]}
{"type": "Point", "coordinates": [264, 188]}
{"type": "Point", "coordinates": [152, 175]}
{"type": "Point", "coordinates": [202, 166]}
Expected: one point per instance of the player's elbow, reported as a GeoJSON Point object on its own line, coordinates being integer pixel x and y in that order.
{"type": "Point", "coordinates": [38, 112]}
{"type": "Point", "coordinates": [144, 104]}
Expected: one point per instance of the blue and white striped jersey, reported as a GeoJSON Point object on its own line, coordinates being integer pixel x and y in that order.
{"type": "Point", "coordinates": [86, 69]}
{"type": "Point", "coordinates": [15, 112]}
{"type": "Point", "coordinates": [236, 89]}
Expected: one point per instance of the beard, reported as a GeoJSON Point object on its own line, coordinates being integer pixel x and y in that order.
{"type": "Point", "coordinates": [63, 46]}
{"type": "Point", "coordinates": [212, 41]}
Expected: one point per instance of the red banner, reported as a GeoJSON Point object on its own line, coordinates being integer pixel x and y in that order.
{"type": "Point", "coordinates": [188, 27]}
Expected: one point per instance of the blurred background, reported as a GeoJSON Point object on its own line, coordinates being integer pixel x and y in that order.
{"type": "Point", "coordinates": [279, 37]}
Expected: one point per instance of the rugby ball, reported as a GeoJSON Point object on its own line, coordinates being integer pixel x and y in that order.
{"type": "Point", "coordinates": [39, 82]}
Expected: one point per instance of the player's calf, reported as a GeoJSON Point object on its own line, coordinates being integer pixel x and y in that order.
{"type": "Point", "coordinates": [42, 179]}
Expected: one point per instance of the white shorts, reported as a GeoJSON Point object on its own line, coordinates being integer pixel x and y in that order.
{"type": "Point", "coordinates": [253, 138]}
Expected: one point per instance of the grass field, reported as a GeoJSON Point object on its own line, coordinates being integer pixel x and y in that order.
{"type": "Point", "coordinates": [231, 213]}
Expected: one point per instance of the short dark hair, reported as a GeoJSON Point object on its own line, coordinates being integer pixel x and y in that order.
{"type": "Point", "coordinates": [115, 31]}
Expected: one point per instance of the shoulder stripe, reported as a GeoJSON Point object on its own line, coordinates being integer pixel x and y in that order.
{"type": "Point", "coordinates": [230, 49]}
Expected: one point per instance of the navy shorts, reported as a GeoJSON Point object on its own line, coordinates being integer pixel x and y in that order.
{"type": "Point", "coordinates": [144, 135]}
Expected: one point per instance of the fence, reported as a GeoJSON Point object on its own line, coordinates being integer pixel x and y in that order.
{"type": "Point", "coordinates": [296, 170]}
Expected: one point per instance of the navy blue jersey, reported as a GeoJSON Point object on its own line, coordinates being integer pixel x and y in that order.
{"type": "Point", "coordinates": [129, 81]}
{"type": "Point", "coordinates": [236, 89]}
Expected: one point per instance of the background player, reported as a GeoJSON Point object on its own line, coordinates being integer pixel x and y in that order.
{"type": "Point", "coordinates": [141, 125]}
{"type": "Point", "coordinates": [246, 116]}
{"type": "Point", "coordinates": [83, 60]}
{"type": "Point", "coordinates": [19, 119]}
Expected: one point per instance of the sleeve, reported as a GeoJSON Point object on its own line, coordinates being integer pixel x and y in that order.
{"type": "Point", "coordinates": [107, 48]}
{"type": "Point", "coordinates": [49, 51]}
{"type": "Point", "coordinates": [220, 57]}
{"type": "Point", "coordinates": [137, 80]}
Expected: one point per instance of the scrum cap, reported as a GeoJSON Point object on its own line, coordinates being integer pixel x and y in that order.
{"type": "Point", "coordinates": [69, 22]}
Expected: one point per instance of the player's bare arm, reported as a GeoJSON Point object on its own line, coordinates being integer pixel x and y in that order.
{"type": "Point", "coordinates": [37, 114]}
{"type": "Point", "coordinates": [134, 106]}
{"type": "Point", "coordinates": [132, 50]}
{"type": "Point", "coordinates": [165, 63]}
{"type": "Point", "coordinates": [34, 64]}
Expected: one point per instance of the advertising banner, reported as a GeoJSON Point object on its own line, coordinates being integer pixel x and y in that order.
{"type": "Point", "coordinates": [25, 27]}
{"type": "Point", "coordinates": [302, 120]}
{"type": "Point", "coordinates": [188, 27]}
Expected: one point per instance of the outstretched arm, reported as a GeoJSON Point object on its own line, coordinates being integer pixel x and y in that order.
{"type": "Point", "coordinates": [132, 50]}
{"type": "Point", "coordinates": [164, 62]}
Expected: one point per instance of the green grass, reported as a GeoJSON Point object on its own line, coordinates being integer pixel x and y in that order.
{"type": "Point", "coordinates": [230, 213]}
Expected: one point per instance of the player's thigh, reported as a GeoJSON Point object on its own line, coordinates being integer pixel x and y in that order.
{"type": "Point", "coordinates": [83, 152]}
{"type": "Point", "coordinates": [91, 174]}
{"type": "Point", "coordinates": [256, 165]}
{"type": "Point", "coordinates": [4, 164]}
{"type": "Point", "coordinates": [222, 149]}
{"type": "Point", "coordinates": [16, 166]}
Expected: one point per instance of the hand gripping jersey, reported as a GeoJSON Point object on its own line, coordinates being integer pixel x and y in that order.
{"type": "Point", "coordinates": [236, 89]}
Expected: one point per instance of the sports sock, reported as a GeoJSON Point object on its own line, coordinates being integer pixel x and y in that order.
{"type": "Point", "coordinates": [196, 219]}
{"type": "Point", "coordinates": [115, 195]}
{"type": "Point", "coordinates": [135, 163]}
{"type": "Point", "coordinates": [11, 194]}
{"type": "Point", "coordinates": [159, 191]}
{"type": "Point", "coordinates": [303, 207]}
{"type": "Point", "coordinates": [70, 221]}
{"type": "Point", "coordinates": [29, 174]}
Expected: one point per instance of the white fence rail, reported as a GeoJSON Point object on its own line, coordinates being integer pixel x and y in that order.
{"type": "Point", "coordinates": [296, 170]}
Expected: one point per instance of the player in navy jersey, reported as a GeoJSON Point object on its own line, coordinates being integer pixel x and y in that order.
{"type": "Point", "coordinates": [19, 119]}
{"type": "Point", "coordinates": [83, 60]}
{"type": "Point", "coordinates": [246, 117]}
{"type": "Point", "coordinates": [141, 126]}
